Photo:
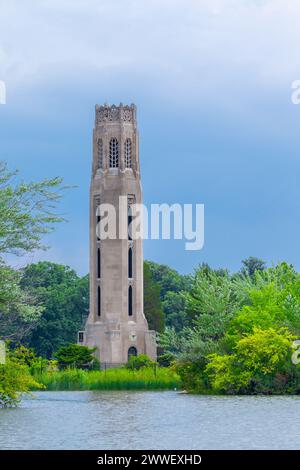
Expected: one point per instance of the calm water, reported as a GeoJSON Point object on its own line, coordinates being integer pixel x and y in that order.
{"type": "Point", "coordinates": [154, 420]}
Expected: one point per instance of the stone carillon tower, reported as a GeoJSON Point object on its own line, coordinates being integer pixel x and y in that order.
{"type": "Point", "coordinates": [116, 324]}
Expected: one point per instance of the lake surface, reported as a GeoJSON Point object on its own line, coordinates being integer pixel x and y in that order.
{"type": "Point", "coordinates": [153, 420]}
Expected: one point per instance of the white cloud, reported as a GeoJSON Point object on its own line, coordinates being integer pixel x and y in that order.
{"type": "Point", "coordinates": [239, 55]}
{"type": "Point", "coordinates": [188, 47]}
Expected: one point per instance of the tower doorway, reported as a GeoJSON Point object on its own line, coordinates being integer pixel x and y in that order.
{"type": "Point", "coordinates": [132, 351]}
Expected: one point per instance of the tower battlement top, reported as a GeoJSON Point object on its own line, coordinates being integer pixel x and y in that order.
{"type": "Point", "coordinates": [122, 113]}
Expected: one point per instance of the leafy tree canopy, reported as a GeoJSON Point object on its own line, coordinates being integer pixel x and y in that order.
{"type": "Point", "coordinates": [64, 297]}
{"type": "Point", "coordinates": [171, 286]}
{"type": "Point", "coordinates": [152, 303]}
{"type": "Point", "coordinates": [15, 379]}
{"type": "Point", "coordinates": [27, 213]}
{"type": "Point", "coordinates": [240, 340]}
{"type": "Point", "coordinates": [252, 264]}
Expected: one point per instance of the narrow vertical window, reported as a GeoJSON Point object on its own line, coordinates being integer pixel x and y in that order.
{"type": "Point", "coordinates": [100, 154]}
{"type": "Point", "coordinates": [129, 225]}
{"type": "Point", "coordinates": [130, 201]}
{"type": "Point", "coordinates": [98, 263]}
{"type": "Point", "coordinates": [130, 263]}
{"type": "Point", "coordinates": [113, 153]}
{"type": "Point", "coordinates": [130, 301]}
{"type": "Point", "coordinates": [97, 214]}
{"type": "Point", "coordinates": [128, 152]}
{"type": "Point", "coordinates": [98, 301]}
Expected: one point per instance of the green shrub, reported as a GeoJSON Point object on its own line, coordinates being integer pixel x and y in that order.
{"type": "Point", "coordinates": [137, 362]}
{"type": "Point", "coordinates": [165, 360]}
{"type": "Point", "coordinates": [15, 379]}
{"type": "Point", "coordinates": [260, 364]}
{"type": "Point", "coordinates": [73, 355]}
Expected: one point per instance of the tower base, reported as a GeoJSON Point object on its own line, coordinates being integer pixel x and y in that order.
{"type": "Point", "coordinates": [116, 342]}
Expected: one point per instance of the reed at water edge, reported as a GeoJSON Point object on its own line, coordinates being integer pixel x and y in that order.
{"type": "Point", "coordinates": [111, 379]}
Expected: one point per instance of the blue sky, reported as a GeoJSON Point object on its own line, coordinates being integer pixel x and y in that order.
{"type": "Point", "coordinates": [212, 83]}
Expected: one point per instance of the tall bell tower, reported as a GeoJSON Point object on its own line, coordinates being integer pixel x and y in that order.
{"type": "Point", "coordinates": [116, 324]}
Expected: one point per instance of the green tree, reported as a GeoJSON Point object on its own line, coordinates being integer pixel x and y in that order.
{"type": "Point", "coordinates": [27, 213]}
{"type": "Point", "coordinates": [152, 304]}
{"type": "Point", "coordinates": [174, 308]}
{"type": "Point", "coordinates": [273, 300]}
{"type": "Point", "coordinates": [261, 362]}
{"type": "Point", "coordinates": [64, 297]}
{"type": "Point", "coordinates": [211, 300]}
{"type": "Point", "coordinates": [15, 379]}
{"type": "Point", "coordinates": [167, 278]}
{"type": "Point", "coordinates": [19, 311]}
{"type": "Point", "coordinates": [243, 328]}
{"type": "Point", "coordinates": [75, 355]}
{"type": "Point", "coordinates": [138, 362]}
{"type": "Point", "coordinates": [171, 286]}
{"type": "Point", "coordinates": [210, 304]}
{"type": "Point", "coordinates": [252, 264]}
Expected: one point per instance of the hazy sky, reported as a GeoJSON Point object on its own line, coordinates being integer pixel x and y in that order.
{"type": "Point", "coordinates": [212, 83]}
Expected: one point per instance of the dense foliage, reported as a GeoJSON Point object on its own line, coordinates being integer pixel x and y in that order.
{"type": "Point", "coordinates": [221, 332]}
{"type": "Point", "coordinates": [241, 335]}
{"type": "Point", "coordinates": [64, 297]}
{"type": "Point", "coordinates": [27, 212]}
{"type": "Point", "coordinates": [64, 300]}
{"type": "Point", "coordinates": [152, 303]}
{"type": "Point", "coordinates": [16, 377]}
{"type": "Point", "coordinates": [138, 362]}
{"type": "Point", "coordinates": [171, 287]}
{"type": "Point", "coordinates": [19, 310]}
{"type": "Point", "coordinates": [80, 357]}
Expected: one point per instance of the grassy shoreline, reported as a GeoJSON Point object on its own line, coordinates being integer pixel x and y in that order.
{"type": "Point", "coordinates": [111, 379]}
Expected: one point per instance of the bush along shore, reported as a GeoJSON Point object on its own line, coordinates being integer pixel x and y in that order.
{"type": "Point", "coordinates": [240, 336]}
{"type": "Point", "coordinates": [244, 332]}
{"type": "Point", "coordinates": [75, 368]}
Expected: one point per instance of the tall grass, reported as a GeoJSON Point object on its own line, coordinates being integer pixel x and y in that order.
{"type": "Point", "coordinates": [111, 379]}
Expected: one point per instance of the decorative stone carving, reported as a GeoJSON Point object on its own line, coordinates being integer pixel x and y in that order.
{"type": "Point", "coordinates": [132, 336]}
{"type": "Point", "coordinates": [114, 113]}
{"type": "Point", "coordinates": [127, 114]}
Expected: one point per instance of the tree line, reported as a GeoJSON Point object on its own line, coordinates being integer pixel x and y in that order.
{"type": "Point", "coordinates": [222, 332]}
